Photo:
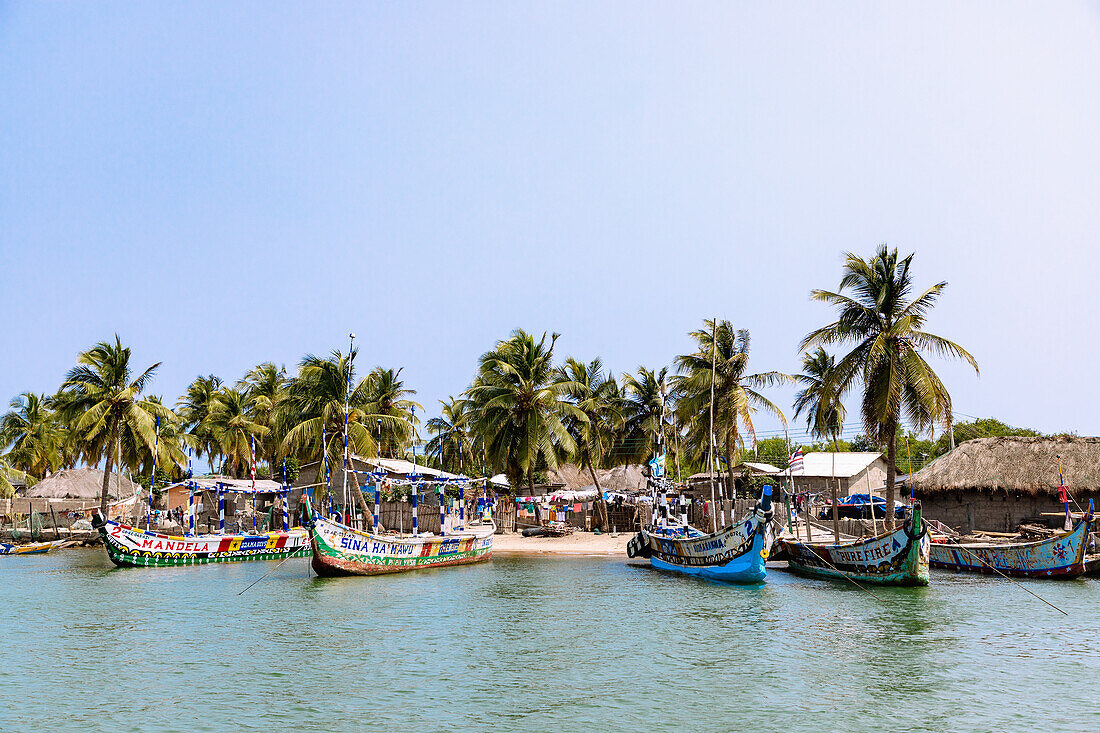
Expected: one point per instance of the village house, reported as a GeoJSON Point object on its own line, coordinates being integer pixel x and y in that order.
{"type": "Point", "coordinates": [394, 468]}
{"type": "Point", "coordinates": [698, 485]}
{"type": "Point", "coordinates": [177, 496]}
{"type": "Point", "coordinates": [851, 473]}
{"type": "Point", "coordinates": [85, 484]}
{"type": "Point", "coordinates": [995, 484]}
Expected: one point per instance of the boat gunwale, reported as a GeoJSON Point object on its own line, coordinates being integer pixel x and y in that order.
{"type": "Point", "coordinates": [419, 538]}
{"type": "Point", "coordinates": [1007, 545]}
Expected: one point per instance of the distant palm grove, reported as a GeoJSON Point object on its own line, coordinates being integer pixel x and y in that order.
{"type": "Point", "coordinates": [525, 410]}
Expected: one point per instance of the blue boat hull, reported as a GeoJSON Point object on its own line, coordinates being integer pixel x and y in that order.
{"type": "Point", "coordinates": [747, 568]}
{"type": "Point", "coordinates": [733, 554]}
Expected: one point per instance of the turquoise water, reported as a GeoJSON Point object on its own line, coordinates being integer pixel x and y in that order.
{"type": "Point", "coordinates": [533, 644]}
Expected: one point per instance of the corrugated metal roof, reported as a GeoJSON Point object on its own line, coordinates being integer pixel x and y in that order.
{"type": "Point", "coordinates": [753, 466]}
{"type": "Point", "coordinates": [402, 467]}
{"type": "Point", "coordinates": [847, 464]}
{"type": "Point", "coordinates": [211, 483]}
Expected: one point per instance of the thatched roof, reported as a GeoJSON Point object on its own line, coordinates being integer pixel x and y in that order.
{"type": "Point", "coordinates": [1026, 465]}
{"type": "Point", "coordinates": [620, 478]}
{"type": "Point", "coordinates": [81, 483]}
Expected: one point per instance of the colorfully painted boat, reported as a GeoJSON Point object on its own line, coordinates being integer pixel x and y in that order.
{"type": "Point", "coordinates": [893, 558]}
{"type": "Point", "coordinates": [735, 554]}
{"type": "Point", "coordinates": [341, 550]}
{"type": "Point", "coordinates": [132, 547]}
{"type": "Point", "coordinates": [1061, 556]}
{"type": "Point", "coordinates": [35, 548]}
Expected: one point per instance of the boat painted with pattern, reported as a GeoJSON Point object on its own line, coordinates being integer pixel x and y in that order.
{"type": "Point", "coordinates": [341, 550]}
{"type": "Point", "coordinates": [35, 548]}
{"type": "Point", "coordinates": [1061, 556]}
{"type": "Point", "coordinates": [735, 554]}
{"type": "Point", "coordinates": [899, 557]}
{"type": "Point", "coordinates": [133, 547]}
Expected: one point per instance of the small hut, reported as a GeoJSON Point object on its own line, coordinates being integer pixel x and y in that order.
{"type": "Point", "coordinates": [81, 483]}
{"type": "Point", "coordinates": [995, 484]}
{"type": "Point", "coordinates": [624, 479]}
{"type": "Point", "coordinates": [699, 484]}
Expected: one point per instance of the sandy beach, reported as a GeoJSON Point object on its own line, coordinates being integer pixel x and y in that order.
{"type": "Point", "coordinates": [578, 543]}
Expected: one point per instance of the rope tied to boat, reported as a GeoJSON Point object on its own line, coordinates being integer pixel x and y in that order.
{"type": "Point", "coordinates": [842, 573]}
{"type": "Point", "coordinates": [1006, 577]}
{"type": "Point", "coordinates": [269, 572]}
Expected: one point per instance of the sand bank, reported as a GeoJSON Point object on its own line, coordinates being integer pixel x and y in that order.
{"type": "Point", "coordinates": [578, 543]}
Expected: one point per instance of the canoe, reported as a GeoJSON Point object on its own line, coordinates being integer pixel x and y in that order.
{"type": "Point", "coordinates": [892, 558]}
{"type": "Point", "coordinates": [132, 547]}
{"type": "Point", "coordinates": [35, 548]}
{"type": "Point", "coordinates": [1061, 556]}
{"type": "Point", "coordinates": [735, 554]}
{"type": "Point", "coordinates": [341, 550]}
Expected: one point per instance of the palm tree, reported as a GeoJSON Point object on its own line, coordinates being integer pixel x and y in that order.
{"type": "Point", "coordinates": [519, 407]}
{"type": "Point", "coordinates": [596, 422]}
{"type": "Point", "coordinates": [314, 409]}
{"type": "Point", "coordinates": [824, 412]}
{"type": "Point", "coordinates": [451, 437]}
{"type": "Point", "coordinates": [736, 398]}
{"type": "Point", "coordinates": [7, 473]}
{"type": "Point", "coordinates": [265, 389]}
{"type": "Point", "coordinates": [33, 433]}
{"type": "Point", "coordinates": [101, 401]}
{"type": "Point", "coordinates": [168, 439]}
{"type": "Point", "coordinates": [194, 407]}
{"type": "Point", "coordinates": [888, 356]}
{"type": "Point", "coordinates": [234, 429]}
{"type": "Point", "coordinates": [387, 397]}
{"type": "Point", "coordinates": [644, 400]}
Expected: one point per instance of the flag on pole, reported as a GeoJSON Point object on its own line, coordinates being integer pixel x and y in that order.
{"type": "Point", "coordinates": [657, 466]}
{"type": "Point", "coordinates": [1063, 496]}
{"type": "Point", "coordinates": [795, 463]}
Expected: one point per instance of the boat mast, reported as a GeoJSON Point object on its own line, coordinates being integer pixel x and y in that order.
{"type": "Point", "coordinates": [153, 478]}
{"type": "Point", "coordinates": [710, 433]}
{"type": "Point", "coordinates": [836, 516]}
{"type": "Point", "coordinates": [322, 467]}
{"type": "Point", "coordinates": [347, 402]}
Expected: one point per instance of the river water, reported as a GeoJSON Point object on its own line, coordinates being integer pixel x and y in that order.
{"type": "Point", "coordinates": [533, 644]}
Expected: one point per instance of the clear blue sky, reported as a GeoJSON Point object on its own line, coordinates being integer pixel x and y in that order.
{"type": "Point", "coordinates": [229, 183]}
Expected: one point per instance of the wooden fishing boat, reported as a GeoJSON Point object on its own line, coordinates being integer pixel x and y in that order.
{"type": "Point", "coordinates": [893, 558]}
{"type": "Point", "coordinates": [342, 550]}
{"type": "Point", "coordinates": [132, 547]}
{"type": "Point", "coordinates": [735, 554]}
{"type": "Point", "coordinates": [1061, 556]}
{"type": "Point", "coordinates": [35, 548]}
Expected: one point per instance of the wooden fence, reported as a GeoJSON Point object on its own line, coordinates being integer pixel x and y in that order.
{"type": "Point", "coordinates": [624, 518]}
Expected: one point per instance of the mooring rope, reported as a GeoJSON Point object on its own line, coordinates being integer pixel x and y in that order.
{"type": "Point", "coordinates": [842, 573]}
{"type": "Point", "coordinates": [1006, 577]}
{"type": "Point", "coordinates": [269, 572]}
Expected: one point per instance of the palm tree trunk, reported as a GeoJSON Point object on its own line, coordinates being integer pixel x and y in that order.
{"type": "Point", "coordinates": [531, 493]}
{"type": "Point", "coordinates": [601, 505]}
{"type": "Point", "coordinates": [730, 481]}
{"type": "Point", "coordinates": [891, 472]}
{"type": "Point", "coordinates": [108, 464]}
{"type": "Point", "coordinates": [366, 510]}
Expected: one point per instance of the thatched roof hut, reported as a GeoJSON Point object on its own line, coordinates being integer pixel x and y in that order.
{"type": "Point", "coordinates": [1014, 464]}
{"type": "Point", "coordinates": [623, 479]}
{"type": "Point", "coordinates": [81, 483]}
